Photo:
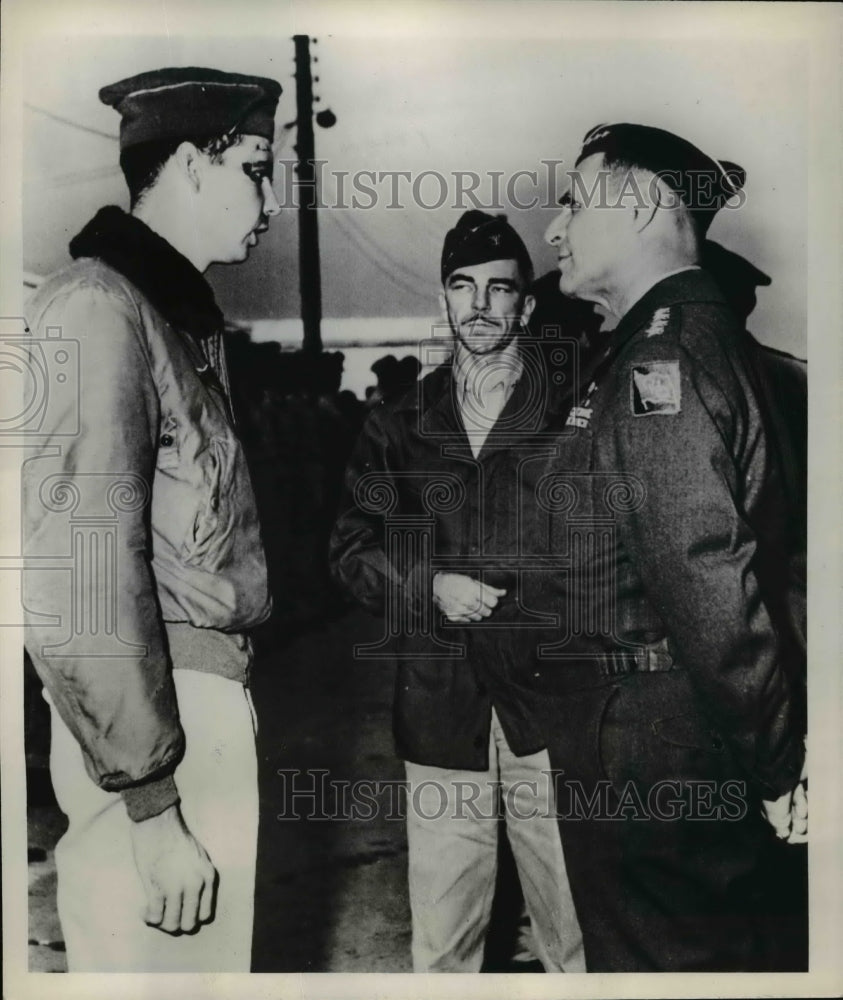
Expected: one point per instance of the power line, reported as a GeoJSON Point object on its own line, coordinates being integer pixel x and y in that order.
{"type": "Point", "coordinates": [365, 252]}
{"type": "Point", "coordinates": [377, 250]}
{"type": "Point", "coordinates": [382, 252]}
{"type": "Point", "coordinates": [85, 176]}
{"type": "Point", "coordinates": [71, 124]}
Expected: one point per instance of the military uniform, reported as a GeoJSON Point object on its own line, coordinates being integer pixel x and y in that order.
{"type": "Point", "coordinates": [675, 682]}
{"type": "Point", "coordinates": [432, 487]}
{"type": "Point", "coordinates": [148, 674]}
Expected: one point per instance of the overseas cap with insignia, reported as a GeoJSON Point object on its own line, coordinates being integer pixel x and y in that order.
{"type": "Point", "coordinates": [704, 184]}
{"type": "Point", "coordinates": [478, 238]}
{"type": "Point", "coordinates": [190, 101]}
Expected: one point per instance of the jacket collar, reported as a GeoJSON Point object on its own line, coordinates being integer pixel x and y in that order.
{"type": "Point", "coordinates": [693, 285]}
{"type": "Point", "coordinates": [435, 402]}
{"type": "Point", "coordinates": [168, 279]}
{"type": "Point", "coordinates": [471, 374]}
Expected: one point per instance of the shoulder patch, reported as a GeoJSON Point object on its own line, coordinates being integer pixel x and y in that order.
{"type": "Point", "coordinates": [655, 387]}
{"type": "Point", "coordinates": [659, 322]}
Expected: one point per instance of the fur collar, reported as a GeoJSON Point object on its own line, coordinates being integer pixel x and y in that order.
{"type": "Point", "coordinates": [166, 278]}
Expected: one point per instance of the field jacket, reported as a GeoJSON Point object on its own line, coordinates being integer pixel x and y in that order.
{"type": "Point", "coordinates": [138, 508]}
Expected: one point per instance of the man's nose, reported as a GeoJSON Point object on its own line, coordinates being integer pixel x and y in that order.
{"type": "Point", "coordinates": [480, 299]}
{"type": "Point", "coordinates": [270, 202]}
{"type": "Point", "coordinates": [556, 230]}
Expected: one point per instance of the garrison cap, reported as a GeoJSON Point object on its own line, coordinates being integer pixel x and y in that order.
{"type": "Point", "coordinates": [478, 238]}
{"type": "Point", "coordinates": [190, 101]}
{"type": "Point", "coordinates": [704, 184]}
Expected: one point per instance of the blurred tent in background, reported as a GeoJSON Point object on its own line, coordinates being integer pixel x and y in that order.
{"type": "Point", "coordinates": [433, 108]}
{"type": "Point", "coordinates": [424, 128]}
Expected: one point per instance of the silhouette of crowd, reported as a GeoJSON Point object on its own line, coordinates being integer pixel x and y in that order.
{"type": "Point", "coordinates": [298, 428]}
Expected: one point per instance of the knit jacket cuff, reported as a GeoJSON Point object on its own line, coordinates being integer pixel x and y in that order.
{"type": "Point", "coordinates": [148, 800]}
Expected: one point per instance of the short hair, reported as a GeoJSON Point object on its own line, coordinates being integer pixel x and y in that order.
{"type": "Point", "coordinates": [619, 165]}
{"type": "Point", "coordinates": [142, 163]}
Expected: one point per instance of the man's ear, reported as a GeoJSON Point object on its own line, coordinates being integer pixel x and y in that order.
{"type": "Point", "coordinates": [655, 195]}
{"type": "Point", "coordinates": [443, 305]}
{"type": "Point", "coordinates": [527, 309]}
{"type": "Point", "coordinates": [188, 162]}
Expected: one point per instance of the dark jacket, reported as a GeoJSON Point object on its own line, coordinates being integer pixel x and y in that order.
{"type": "Point", "coordinates": [417, 501]}
{"type": "Point", "coordinates": [666, 511]}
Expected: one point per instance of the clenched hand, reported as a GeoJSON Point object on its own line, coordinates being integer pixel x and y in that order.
{"type": "Point", "coordinates": [462, 599]}
{"type": "Point", "coordinates": [177, 875]}
{"type": "Point", "coordinates": [788, 814]}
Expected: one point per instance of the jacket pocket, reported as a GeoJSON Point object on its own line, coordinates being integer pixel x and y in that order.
{"type": "Point", "coordinates": [211, 534]}
{"type": "Point", "coordinates": [688, 731]}
{"type": "Point", "coordinates": [168, 443]}
{"type": "Point", "coordinates": [652, 731]}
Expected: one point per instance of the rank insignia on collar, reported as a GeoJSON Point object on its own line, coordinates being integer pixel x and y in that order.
{"type": "Point", "coordinates": [655, 388]}
{"type": "Point", "coordinates": [658, 322]}
{"type": "Point", "coordinates": [580, 416]}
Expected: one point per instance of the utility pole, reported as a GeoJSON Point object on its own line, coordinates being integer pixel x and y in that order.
{"type": "Point", "coordinates": [310, 283]}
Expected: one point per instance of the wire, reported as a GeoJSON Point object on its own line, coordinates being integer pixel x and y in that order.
{"type": "Point", "coordinates": [85, 176]}
{"type": "Point", "coordinates": [71, 124]}
{"type": "Point", "coordinates": [377, 249]}
{"type": "Point", "coordinates": [368, 254]}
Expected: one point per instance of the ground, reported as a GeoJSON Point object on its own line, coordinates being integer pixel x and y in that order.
{"type": "Point", "coordinates": [331, 891]}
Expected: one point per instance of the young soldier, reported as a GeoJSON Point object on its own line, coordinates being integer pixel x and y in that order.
{"type": "Point", "coordinates": [142, 648]}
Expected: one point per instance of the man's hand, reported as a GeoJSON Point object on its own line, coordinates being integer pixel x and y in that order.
{"type": "Point", "coordinates": [462, 599]}
{"type": "Point", "coordinates": [177, 875]}
{"type": "Point", "coordinates": [788, 814]}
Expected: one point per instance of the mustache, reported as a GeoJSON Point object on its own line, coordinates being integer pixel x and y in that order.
{"type": "Point", "coordinates": [481, 318]}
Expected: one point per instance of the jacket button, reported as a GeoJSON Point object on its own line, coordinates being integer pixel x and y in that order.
{"type": "Point", "coordinates": [166, 440]}
{"type": "Point", "coordinates": [215, 503]}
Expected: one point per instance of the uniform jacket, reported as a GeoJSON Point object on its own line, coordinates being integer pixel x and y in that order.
{"type": "Point", "coordinates": [417, 501]}
{"type": "Point", "coordinates": [138, 509]}
{"type": "Point", "coordinates": [784, 384]}
{"type": "Point", "coordinates": [666, 510]}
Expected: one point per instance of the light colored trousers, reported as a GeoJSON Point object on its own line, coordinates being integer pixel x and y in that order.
{"type": "Point", "coordinates": [100, 897]}
{"type": "Point", "coordinates": [452, 834]}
